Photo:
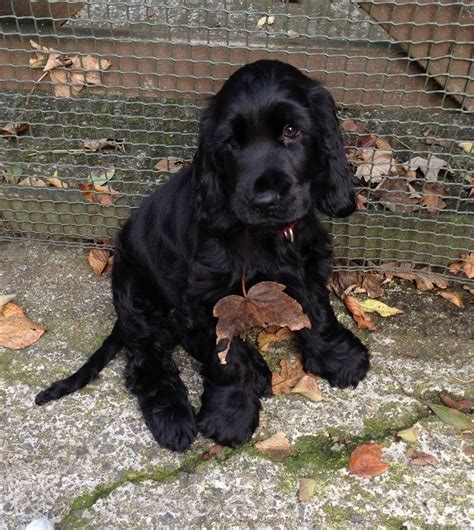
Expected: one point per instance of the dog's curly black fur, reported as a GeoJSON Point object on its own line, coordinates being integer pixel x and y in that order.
{"type": "Point", "coordinates": [270, 153]}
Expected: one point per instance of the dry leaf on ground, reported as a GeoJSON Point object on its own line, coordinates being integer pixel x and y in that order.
{"type": "Point", "coordinates": [52, 58]}
{"type": "Point", "coordinates": [12, 174]}
{"type": "Point", "coordinates": [397, 195]}
{"type": "Point", "coordinates": [429, 167]}
{"type": "Point", "coordinates": [349, 126]}
{"type": "Point", "coordinates": [463, 405]}
{"type": "Point", "coordinates": [376, 166]}
{"type": "Point", "coordinates": [410, 435]}
{"type": "Point", "coordinates": [375, 306]}
{"type": "Point", "coordinates": [68, 73]}
{"type": "Point", "coordinates": [363, 321]}
{"type": "Point", "coordinates": [306, 489]}
{"type": "Point", "coordinates": [170, 164]}
{"type": "Point", "coordinates": [372, 284]}
{"type": "Point", "coordinates": [308, 387]}
{"type": "Point", "coordinates": [452, 417]}
{"type": "Point", "coordinates": [16, 329]}
{"type": "Point", "coordinates": [466, 265]}
{"type": "Point", "coordinates": [424, 279]}
{"type": "Point", "coordinates": [56, 182]}
{"type": "Point", "coordinates": [100, 260]}
{"type": "Point", "coordinates": [467, 146]}
{"type": "Point", "coordinates": [34, 182]}
{"type": "Point", "coordinates": [432, 193]}
{"type": "Point", "coordinates": [105, 143]}
{"type": "Point", "coordinates": [366, 461]}
{"type": "Point", "coordinates": [266, 338]}
{"type": "Point", "coordinates": [215, 450]}
{"type": "Point", "coordinates": [264, 305]}
{"type": "Point", "coordinates": [14, 128]}
{"type": "Point", "coordinates": [454, 298]}
{"type": "Point", "coordinates": [290, 373]}
{"type": "Point", "coordinates": [104, 195]}
{"type": "Point", "coordinates": [277, 447]}
{"type": "Point", "coordinates": [418, 458]}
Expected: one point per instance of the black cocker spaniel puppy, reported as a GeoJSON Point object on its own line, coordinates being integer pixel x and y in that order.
{"type": "Point", "coordinates": [270, 154]}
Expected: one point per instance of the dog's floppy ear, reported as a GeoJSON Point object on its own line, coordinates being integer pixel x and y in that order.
{"type": "Point", "coordinates": [335, 192]}
{"type": "Point", "coordinates": [212, 215]}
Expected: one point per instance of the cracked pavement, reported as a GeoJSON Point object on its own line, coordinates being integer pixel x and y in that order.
{"type": "Point", "coordinates": [88, 460]}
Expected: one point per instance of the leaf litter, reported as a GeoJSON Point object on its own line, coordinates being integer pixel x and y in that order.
{"type": "Point", "coordinates": [277, 447]}
{"type": "Point", "coordinates": [264, 305]}
{"type": "Point", "coordinates": [17, 331]}
{"type": "Point", "coordinates": [68, 73]}
{"type": "Point", "coordinates": [393, 183]}
{"type": "Point", "coordinates": [366, 461]}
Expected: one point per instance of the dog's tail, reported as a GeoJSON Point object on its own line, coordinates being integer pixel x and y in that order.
{"type": "Point", "coordinates": [88, 371]}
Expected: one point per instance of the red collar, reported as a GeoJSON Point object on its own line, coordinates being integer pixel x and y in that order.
{"type": "Point", "coordinates": [288, 231]}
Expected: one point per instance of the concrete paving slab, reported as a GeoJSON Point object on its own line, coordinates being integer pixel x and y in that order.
{"type": "Point", "coordinates": [88, 461]}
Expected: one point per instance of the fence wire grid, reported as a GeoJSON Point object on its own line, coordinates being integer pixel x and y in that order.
{"type": "Point", "coordinates": [100, 101]}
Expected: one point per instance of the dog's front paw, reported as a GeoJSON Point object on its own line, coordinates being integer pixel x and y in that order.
{"type": "Point", "coordinates": [173, 425]}
{"type": "Point", "coordinates": [229, 414]}
{"type": "Point", "coordinates": [345, 364]}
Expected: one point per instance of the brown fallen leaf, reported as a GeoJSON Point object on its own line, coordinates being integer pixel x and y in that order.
{"type": "Point", "coordinates": [266, 339]}
{"type": "Point", "coordinates": [443, 142]}
{"type": "Point", "coordinates": [454, 298]}
{"type": "Point", "coordinates": [418, 458]}
{"type": "Point", "coordinates": [170, 164]}
{"type": "Point", "coordinates": [290, 373]}
{"type": "Point", "coordinates": [424, 279]}
{"type": "Point", "coordinates": [396, 194]}
{"type": "Point", "coordinates": [105, 143]}
{"type": "Point", "coordinates": [68, 74]}
{"type": "Point", "coordinates": [14, 128]}
{"type": "Point", "coordinates": [104, 195]}
{"type": "Point", "coordinates": [349, 126]}
{"type": "Point", "coordinates": [366, 461]}
{"type": "Point", "coordinates": [432, 193]}
{"type": "Point", "coordinates": [376, 165]}
{"type": "Point", "coordinates": [466, 265]}
{"type": "Point", "coordinates": [16, 329]}
{"type": "Point", "coordinates": [361, 202]}
{"type": "Point", "coordinates": [308, 387]}
{"type": "Point", "coordinates": [306, 489]}
{"type": "Point", "coordinates": [53, 58]}
{"type": "Point", "coordinates": [372, 284]}
{"type": "Point", "coordinates": [362, 319]}
{"type": "Point", "coordinates": [429, 167]}
{"type": "Point", "coordinates": [34, 182]}
{"type": "Point", "coordinates": [99, 260]}
{"type": "Point", "coordinates": [264, 305]}
{"type": "Point", "coordinates": [57, 182]}
{"type": "Point", "coordinates": [277, 447]}
{"type": "Point", "coordinates": [463, 405]}
{"type": "Point", "coordinates": [342, 282]}
{"type": "Point", "coordinates": [216, 451]}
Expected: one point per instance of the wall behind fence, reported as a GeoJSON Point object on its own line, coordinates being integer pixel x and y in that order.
{"type": "Point", "coordinates": [100, 100]}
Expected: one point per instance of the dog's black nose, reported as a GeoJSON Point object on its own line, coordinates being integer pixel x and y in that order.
{"type": "Point", "coordinates": [265, 199]}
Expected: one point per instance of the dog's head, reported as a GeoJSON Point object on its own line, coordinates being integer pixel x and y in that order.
{"type": "Point", "coordinates": [270, 149]}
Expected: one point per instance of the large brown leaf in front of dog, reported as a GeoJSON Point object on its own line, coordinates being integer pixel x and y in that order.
{"type": "Point", "coordinates": [264, 305]}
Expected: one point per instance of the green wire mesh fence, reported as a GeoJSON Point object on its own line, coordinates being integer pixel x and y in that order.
{"type": "Point", "coordinates": [100, 100]}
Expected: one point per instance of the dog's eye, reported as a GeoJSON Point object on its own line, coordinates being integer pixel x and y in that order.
{"type": "Point", "coordinates": [290, 132]}
{"type": "Point", "coordinates": [233, 143]}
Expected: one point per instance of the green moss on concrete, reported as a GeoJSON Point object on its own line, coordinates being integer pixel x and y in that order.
{"type": "Point", "coordinates": [383, 425]}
